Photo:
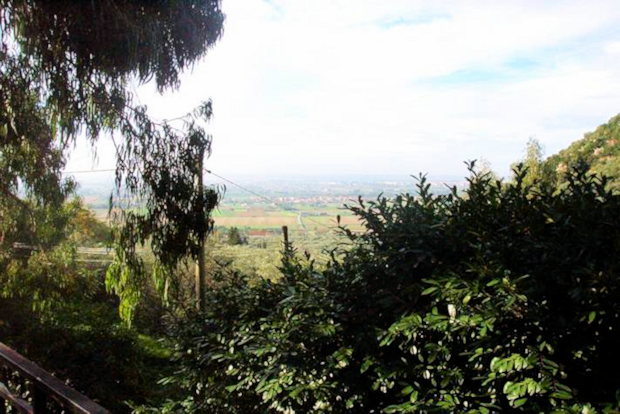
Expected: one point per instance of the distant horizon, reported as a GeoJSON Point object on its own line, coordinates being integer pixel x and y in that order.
{"type": "Point", "coordinates": [95, 188]}
{"type": "Point", "coordinates": [103, 176]}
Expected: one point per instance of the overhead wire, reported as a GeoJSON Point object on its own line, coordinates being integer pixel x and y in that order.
{"type": "Point", "coordinates": [261, 196]}
{"type": "Point", "coordinates": [88, 171]}
{"type": "Point", "coordinates": [266, 198]}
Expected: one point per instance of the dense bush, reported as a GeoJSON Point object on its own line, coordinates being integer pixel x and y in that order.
{"type": "Point", "coordinates": [78, 336]}
{"type": "Point", "coordinates": [86, 346]}
{"type": "Point", "coordinates": [503, 298]}
{"type": "Point", "coordinates": [54, 309]}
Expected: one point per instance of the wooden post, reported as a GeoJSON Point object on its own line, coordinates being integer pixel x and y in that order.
{"type": "Point", "coordinates": [287, 243]}
{"type": "Point", "coordinates": [200, 263]}
{"type": "Point", "coordinates": [285, 233]}
{"type": "Point", "coordinates": [39, 399]}
{"type": "Point", "coordinates": [3, 390]}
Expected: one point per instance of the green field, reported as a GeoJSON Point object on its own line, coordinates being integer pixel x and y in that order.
{"type": "Point", "coordinates": [312, 228]}
{"type": "Point", "coordinates": [301, 216]}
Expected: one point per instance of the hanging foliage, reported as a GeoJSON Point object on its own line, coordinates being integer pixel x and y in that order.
{"type": "Point", "coordinates": [65, 67]}
{"type": "Point", "coordinates": [173, 214]}
{"type": "Point", "coordinates": [115, 38]}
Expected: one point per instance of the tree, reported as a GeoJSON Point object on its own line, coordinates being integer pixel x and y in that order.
{"type": "Point", "coordinates": [532, 161]}
{"type": "Point", "coordinates": [534, 156]}
{"type": "Point", "coordinates": [65, 68]}
{"type": "Point", "coordinates": [235, 238]}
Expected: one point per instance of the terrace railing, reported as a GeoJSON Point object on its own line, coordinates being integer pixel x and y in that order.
{"type": "Point", "coordinates": [27, 388]}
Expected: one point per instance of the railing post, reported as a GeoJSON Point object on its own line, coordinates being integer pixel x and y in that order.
{"type": "Point", "coordinates": [43, 388]}
{"type": "Point", "coordinates": [3, 402]}
{"type": "Point", "coordinates": [39, 399]}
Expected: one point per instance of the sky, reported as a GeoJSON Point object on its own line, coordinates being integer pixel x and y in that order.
{"type": "Point", "coordinates": [394, 87]}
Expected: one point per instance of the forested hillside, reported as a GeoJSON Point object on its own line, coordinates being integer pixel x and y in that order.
{"type": "Point", "coordinates": [600, 150]}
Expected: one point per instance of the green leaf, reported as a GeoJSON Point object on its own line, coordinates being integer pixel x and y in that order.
{"type": "Point", "coordinates": [562, 395]}
{"type": "Point", "coordinates": [466, 299]}
{"type": "Point", "coordinates": [429, 290]}
{"type": "Point", "coordinates": [519, 402]}
{"type": "Point", "coordinates": [591, 316]}
{"type": "Point", "coordinates": [365, 365]}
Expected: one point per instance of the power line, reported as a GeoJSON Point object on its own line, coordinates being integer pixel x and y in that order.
{"type": "Point", "coordinates": [88, 171]}
{"type": "Point", "coordinates": [266, 198]}
{"type": "Point", "coordinates": [261, 196]}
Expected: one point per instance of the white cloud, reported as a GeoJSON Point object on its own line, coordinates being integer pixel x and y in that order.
{"type": "Point", "coordinates": [396, 87]}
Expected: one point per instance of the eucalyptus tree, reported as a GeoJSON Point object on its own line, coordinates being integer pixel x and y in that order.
{"type": "Point", "coordinates": [66, 68]}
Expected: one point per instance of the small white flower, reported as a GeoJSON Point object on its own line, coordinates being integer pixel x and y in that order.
{"type": "Point", "coordinates": [452, 311]}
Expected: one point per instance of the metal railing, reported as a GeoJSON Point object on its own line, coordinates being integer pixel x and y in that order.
{"type": "Point", "coordinates": [27, 388]}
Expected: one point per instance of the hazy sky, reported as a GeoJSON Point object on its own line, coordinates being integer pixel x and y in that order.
{"type": "Point", "coordinates": [395, 87]}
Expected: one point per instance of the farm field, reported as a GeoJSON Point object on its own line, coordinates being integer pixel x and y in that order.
{"type": "Point", "coordinates": [312, 228]}
{"type": "Point", "coordinates": [304, 220]}
{"type": "Point", "coordinates": [302, 216]}
{"type": "Point", "coordinates": [310, 210]}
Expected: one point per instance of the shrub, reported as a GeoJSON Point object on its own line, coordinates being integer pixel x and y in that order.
{"type": "Point", "coordinates": [503, 298]}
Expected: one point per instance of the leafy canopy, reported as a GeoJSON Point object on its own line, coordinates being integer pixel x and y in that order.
{"type": "Point", "coordinates": [65, 71]}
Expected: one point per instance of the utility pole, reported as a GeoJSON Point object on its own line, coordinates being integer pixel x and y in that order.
{"type": "Point", "coordinates": [200, 274]}
{"type": "Point", "coordinates": [285, 234]}
{"type": "Point", "coordinates": [288, 248]}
